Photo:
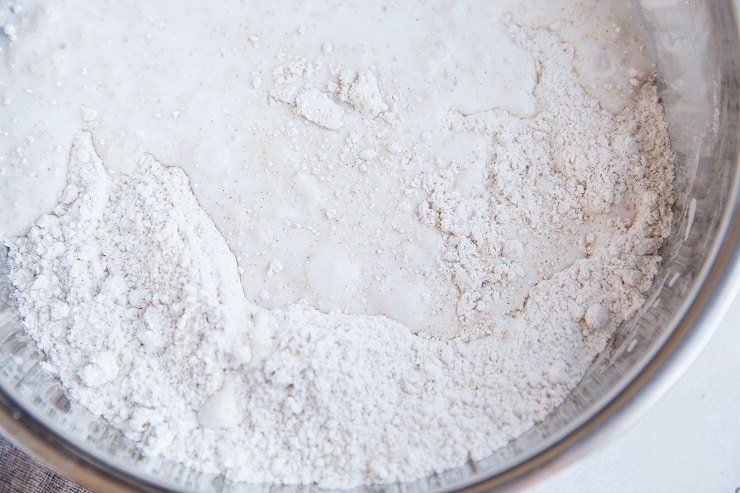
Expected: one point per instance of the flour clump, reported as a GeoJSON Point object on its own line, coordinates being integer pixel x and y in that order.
{"type": "Point", "coordinates": [317, 107]}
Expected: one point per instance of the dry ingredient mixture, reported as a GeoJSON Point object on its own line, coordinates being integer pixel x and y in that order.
{"type": "Point", "coordinates": [382, 256]}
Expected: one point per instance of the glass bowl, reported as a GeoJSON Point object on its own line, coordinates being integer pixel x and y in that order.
{"type": "Point", "coordinates": [695, 48]}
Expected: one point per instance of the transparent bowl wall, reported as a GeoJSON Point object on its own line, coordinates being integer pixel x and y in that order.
{"type": "Point", "coordinates": [695, 47]}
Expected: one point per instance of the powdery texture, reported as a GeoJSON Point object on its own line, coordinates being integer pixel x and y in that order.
{"type": "Point", "coordinates": [135, 298]}
{"type": "Point", "coordinates": [575, 179]}
{"type": "Point", "coordinates": [135, 280]}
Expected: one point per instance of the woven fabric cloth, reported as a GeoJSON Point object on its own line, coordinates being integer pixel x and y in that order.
{"type": "Point", "coordinates": [20, 473]}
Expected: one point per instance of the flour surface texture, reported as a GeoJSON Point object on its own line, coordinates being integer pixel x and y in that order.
{"type": "Point", "coordinates": [372, 295]}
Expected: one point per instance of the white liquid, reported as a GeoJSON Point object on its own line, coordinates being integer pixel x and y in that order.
{"type": "Point", "coordinates": [312, 214]}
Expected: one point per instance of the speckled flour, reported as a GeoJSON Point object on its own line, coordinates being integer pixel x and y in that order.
{"type": "Point", "coordinates": [488, 271]}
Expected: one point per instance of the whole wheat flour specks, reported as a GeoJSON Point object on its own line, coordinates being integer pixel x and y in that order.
{"type": "Point", "coordinates": [556, 181]}
{"type": "Point", "coordinates": [136, 300]}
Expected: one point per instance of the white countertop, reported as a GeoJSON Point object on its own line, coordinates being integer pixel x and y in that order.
{"type": "Point", "coordinates": [688, 442]}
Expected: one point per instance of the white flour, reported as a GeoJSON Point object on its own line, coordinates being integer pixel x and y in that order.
{"type": "Point", "coordinates": [546, 224]}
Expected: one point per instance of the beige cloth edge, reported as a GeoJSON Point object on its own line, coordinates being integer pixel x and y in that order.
{"type": "Point", "coordinates": [21, 473]}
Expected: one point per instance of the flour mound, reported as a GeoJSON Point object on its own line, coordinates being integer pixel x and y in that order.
{"type": "Point", "coordinates": [135, 280]}
{"type": "Point", "coordinates": [572, 185]}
